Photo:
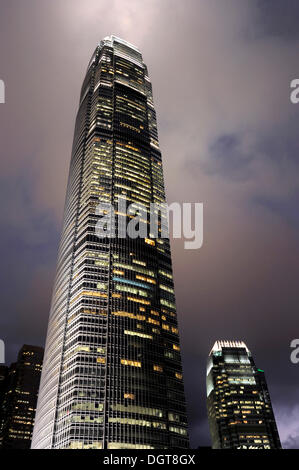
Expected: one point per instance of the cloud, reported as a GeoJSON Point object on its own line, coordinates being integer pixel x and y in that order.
{"type": "Point", "coordinates": [228, 157]}
{"type": "Point", "coordinates": [288, 418]}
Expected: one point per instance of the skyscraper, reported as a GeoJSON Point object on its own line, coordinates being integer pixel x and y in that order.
{"type": "Point", "coordinates": [3, 377]}
{"type": "Point", "coordinates": [112, 375]}
{"type": "Point", "coordinates": [19, 390]}
{"type": "Point", "coordinates": [239, 407]}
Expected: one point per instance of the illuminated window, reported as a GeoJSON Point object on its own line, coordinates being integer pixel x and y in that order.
{"type": "Point", "coordinates": [128, 362]}
{"type": "Point", "coordinates": [129, 396]}
{"type": "Point", "coordinates": [101, 360]}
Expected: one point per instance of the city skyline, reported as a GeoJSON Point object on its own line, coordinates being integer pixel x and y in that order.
{"type": "Point", "coordinates": [234, 385]}
{"type": "Point", "coordinates": [228, 133]}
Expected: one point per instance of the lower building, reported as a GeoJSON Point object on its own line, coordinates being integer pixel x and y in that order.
{"type": "Point", "coordinates": [238, 401]}
{"type": "Point", "coordinates": [3, 376]}
{"type": "Point", "coordinates": [19, 390]}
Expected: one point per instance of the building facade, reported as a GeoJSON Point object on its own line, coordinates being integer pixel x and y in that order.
{"type": "Point", "coordinates": [238, 401]}
{"type": "Point", "coordinates": [19, 391]}
{"type": "Point", "coordinates": [112, 375]}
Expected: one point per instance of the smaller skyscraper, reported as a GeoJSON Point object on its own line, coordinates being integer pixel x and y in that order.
{"type": "Point", "coordinates": [19, 390]}
{"type": "Point", "coordinates": [238, 401]}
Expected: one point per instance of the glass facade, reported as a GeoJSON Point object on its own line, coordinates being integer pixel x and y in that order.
{"type": "Point", "coordinates": [239, 407]}
{"type": "Point", "coordinates": [112, 375]}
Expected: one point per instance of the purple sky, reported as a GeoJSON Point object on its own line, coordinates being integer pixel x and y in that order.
{"type": "Point", "coordinates": [221, 73]}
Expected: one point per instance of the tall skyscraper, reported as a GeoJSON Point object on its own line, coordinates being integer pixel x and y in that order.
{"type": "Point", "coordinates": [112, 375]}
{"type": "Point", "coordinates": [239, 407]}
{"type": "Point", "coordinates": [19, 390]}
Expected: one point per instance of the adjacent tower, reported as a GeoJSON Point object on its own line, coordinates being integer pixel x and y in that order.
{"type": "Point", "coordinates": [112, 375]}
{"type": "Point", "coordinates": [18, 397]}
{"type": "Point", "coordinates": [239, 407]}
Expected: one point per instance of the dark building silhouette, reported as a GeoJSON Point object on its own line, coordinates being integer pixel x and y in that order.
{"type": "Point", "coordinates": [3, 375]}
{"type": "Point", "coordinates": [238, 401]}
{"type": "Point", "coordinates": [112, 375]}
{"type": "Point", "coordinates": [19, 391]}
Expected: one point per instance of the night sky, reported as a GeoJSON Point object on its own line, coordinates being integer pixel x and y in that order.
{"type": "Point", "coordinates": [221, 73]}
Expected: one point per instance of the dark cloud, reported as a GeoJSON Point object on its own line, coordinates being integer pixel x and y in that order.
{"type": "Point", "coordinates": [286, 209]}
{"type": "Point", "coordinates": [228, 158]}
{"type": "Point", "coordinates": [279, 18]}
{"type": "Point", "coordinates": [221, 75]}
